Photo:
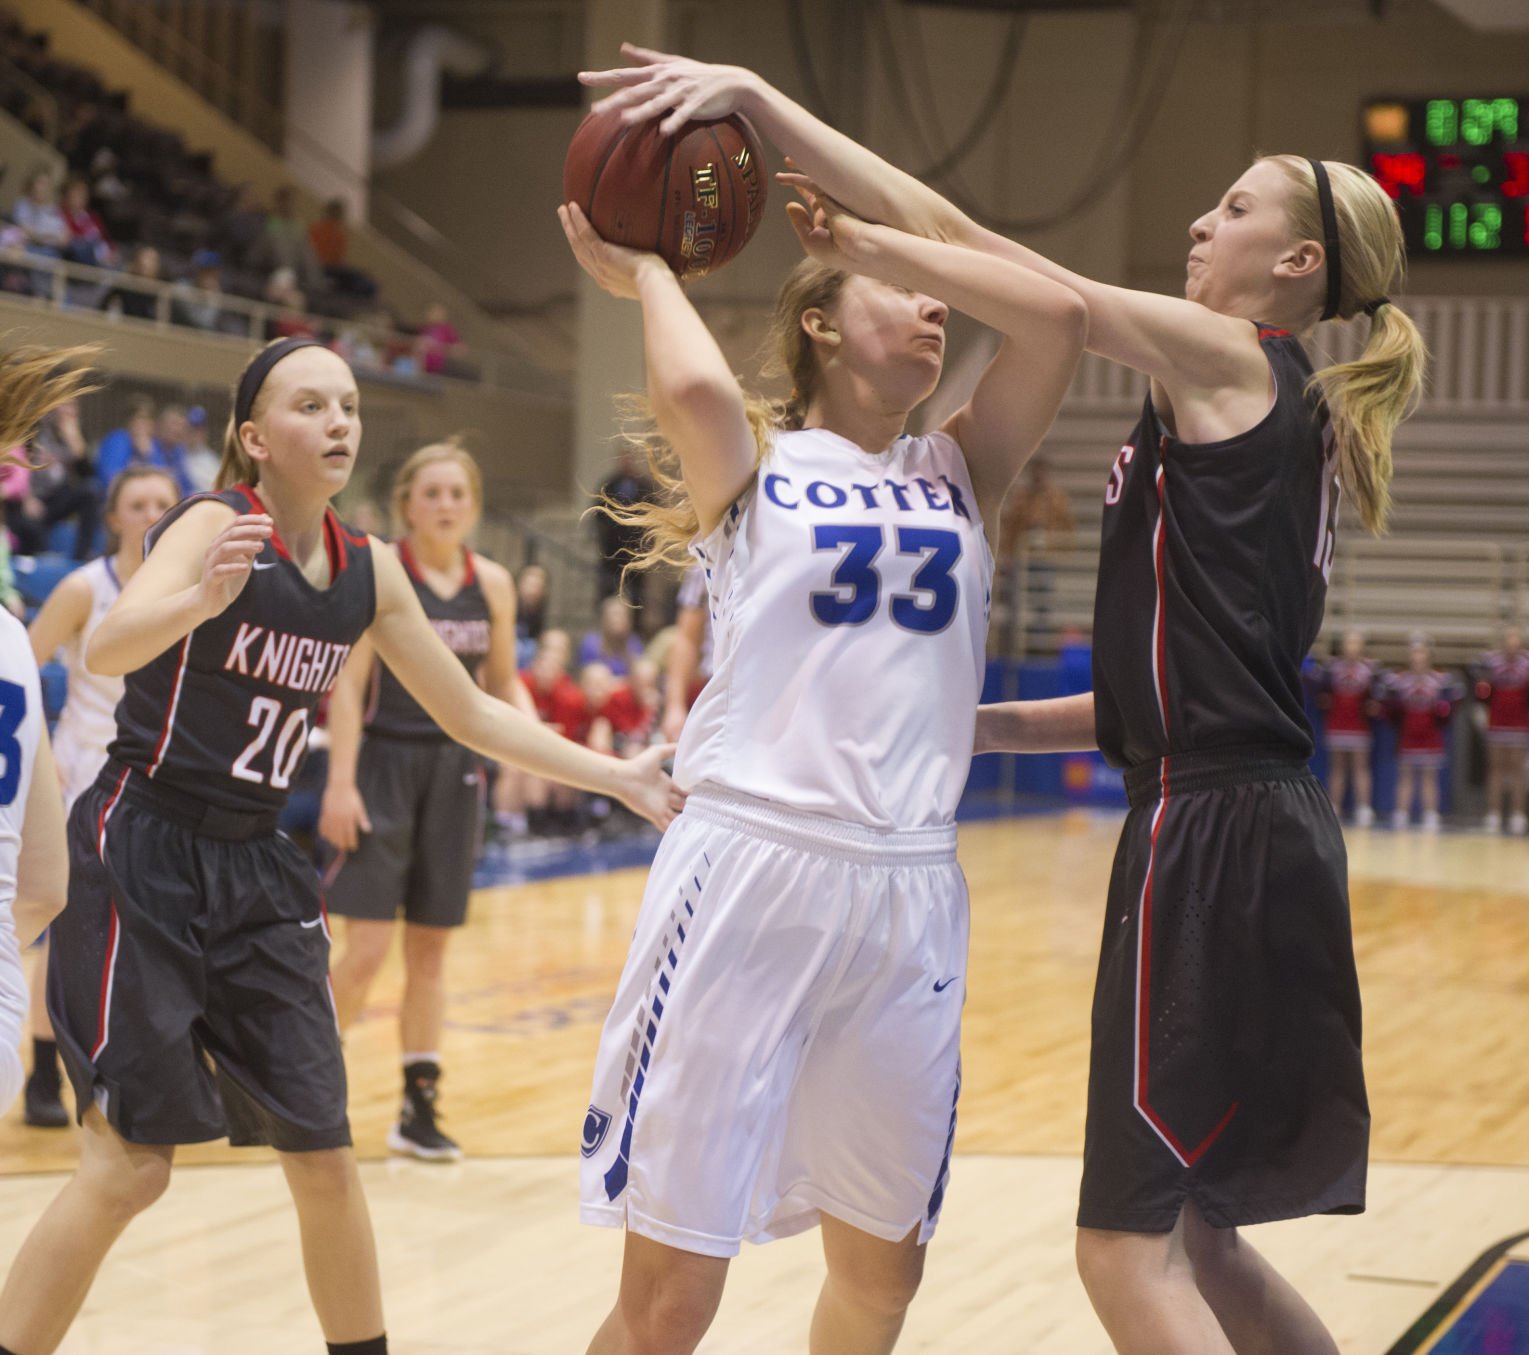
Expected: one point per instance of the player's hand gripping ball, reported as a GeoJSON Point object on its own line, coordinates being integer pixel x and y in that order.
{"type": "Point", "coordinates": [694, 198]}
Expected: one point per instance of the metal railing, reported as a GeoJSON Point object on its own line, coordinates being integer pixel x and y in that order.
{"type": "Point", "coordinates": [81, 287]}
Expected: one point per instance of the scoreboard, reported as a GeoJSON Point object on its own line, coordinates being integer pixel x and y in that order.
{"type": "Point", "coordinates": [1458, 170]}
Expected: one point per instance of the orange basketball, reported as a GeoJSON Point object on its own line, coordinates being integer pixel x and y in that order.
{"type": "Point", "coordinates": [694, 198]}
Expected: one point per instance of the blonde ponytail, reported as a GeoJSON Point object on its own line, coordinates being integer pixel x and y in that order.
{"type": "Point", "coordinates": [670, 523]}
{"type": "Point", "coordinates": [1369, 397]}
{"type": "Point", "coordinates": [34, 381]}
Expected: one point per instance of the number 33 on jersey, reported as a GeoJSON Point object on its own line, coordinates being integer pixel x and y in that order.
{"type": "Point", "coordinates": [849, 596]}
{"type": "Point", "coordinates": [225, 715]}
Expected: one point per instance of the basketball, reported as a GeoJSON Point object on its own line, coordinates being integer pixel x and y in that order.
{"type": "Point", "coordinates": [694, 198]}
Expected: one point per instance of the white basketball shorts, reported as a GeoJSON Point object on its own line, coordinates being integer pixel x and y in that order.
{"type": "Point", "coordinates": [785, 1039]}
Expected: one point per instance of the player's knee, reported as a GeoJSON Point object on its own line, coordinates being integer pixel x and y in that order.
{"type": "Point", "coordinates": [328, 1174]}
{"type": "Point", "coordinates": [125, 1191]}
{"type": "Point", "coordinates": [880, 1284]}
{"type": "Point", "coordinates": [1097, 1259]}
{"type": "Point", "coordinates": [669, 1317]}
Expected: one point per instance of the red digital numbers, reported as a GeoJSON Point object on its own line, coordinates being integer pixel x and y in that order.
{"type": "Point", "coordinates": [1517, 165]}
{"type": "Point", "coordinates": [1398, 171]}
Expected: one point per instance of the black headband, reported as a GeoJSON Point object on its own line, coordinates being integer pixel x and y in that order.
{"type": "Point", "coordinates": [256, 373]}
{"type": "Point", "coordinates": [1329, 238]}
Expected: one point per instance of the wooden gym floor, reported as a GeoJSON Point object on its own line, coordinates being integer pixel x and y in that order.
{"type": "Point", "coordinates": [487, 1256]}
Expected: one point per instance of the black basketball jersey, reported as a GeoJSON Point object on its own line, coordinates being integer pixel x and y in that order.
{"type": "Point", "coordinates": [225, 714]}
{"type": "Point", "coordinates": [462, 622]}
{"type": "Point", "coordinates": [1213, 570]}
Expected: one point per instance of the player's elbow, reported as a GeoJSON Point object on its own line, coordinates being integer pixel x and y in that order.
{"type": "Point", "coordinates": [1067, 314]}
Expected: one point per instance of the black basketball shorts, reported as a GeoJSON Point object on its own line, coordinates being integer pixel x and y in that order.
{"type": "Point", "coordinates": [1225, 1065]}
{"type": "Point", "coordinates": [425, 802]}
{"type": "Point", "coordinates": [189, 979]}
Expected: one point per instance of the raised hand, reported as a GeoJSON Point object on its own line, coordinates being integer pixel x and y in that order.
{"type": "Point", "coordinates": [675, 88]}
{"type": "Point", "coordinates": [226, 566]}
{"type": "Point", "coordinates": [615, 267]}
{"type": "Point", "coordinates": [828, 232]}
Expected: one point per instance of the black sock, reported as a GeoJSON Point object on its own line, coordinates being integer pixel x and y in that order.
{"type": "Point", "coordinates": [378, 1345]}
{"type": "Point", "coordinates": [44, 1067]}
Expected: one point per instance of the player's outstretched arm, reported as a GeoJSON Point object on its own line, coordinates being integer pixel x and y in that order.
{"type": "Point", "coordinates": [676, 89]}
{"type": "Point", "coordinates": [42, 869]}
{"type": "Point", "coordinates": [1064, 724]}
{"type": "Point", "coordinates": [434, 677]}
{"type": "Point", "coordinates": [1183, 344]}
{"type": "Point", "coordinates": [696, 399]}
{"type": "Point", "coordinates": [1043, 323]}
{"type": "Point", "coordinates": [342, 811]}
{"type": "Point", "coordinates": [194, 571]}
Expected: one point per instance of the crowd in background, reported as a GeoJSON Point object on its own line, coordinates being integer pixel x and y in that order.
{"type": "Point", "coordinates": [140, 206]}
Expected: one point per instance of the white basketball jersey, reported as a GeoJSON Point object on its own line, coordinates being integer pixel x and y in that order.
{"type": "Point", "coordinates": [89, 719]}
{"type": "Point", "coordinates": [849, 598]}
{"type": "Point", "coordinates": [21, 720]}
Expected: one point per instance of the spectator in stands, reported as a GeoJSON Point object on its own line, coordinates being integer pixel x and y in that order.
{"type": "Point", "coordinates": [106, 185]}
{"type": "Point", "coordinates": [355, 345]}
{"type": "Point", "coordinates": [290, 320]}
{"type": "Point", "coordinates": [1502, 683]}
{"type": "Point", "coordinates": [626, 485]}
{"type": "Point", "coordinates": [1036, 514]}
{"type": "Point", "coordinates": [689, 660]}
{"type": "Point", "coordinates": [286, 240]}
{"type": "Point", "coordinates": [170, 430]}
{"type": "Point", "coordinates": [612, 642]}
{"type": "Point", "coordinates": [197, 301]}
{"type": "Point", "coordinates": [625, 718]}
{"type": "Point", "coordinates": [438, 343]}
{"type": "Point", "coordinates": [199, 459]}
{"type": "Point", "coordinates": [531, 617]}
{"type": "Point", "coordinates": [140, 302]}
{"type": "Point", "coordinates": [10, 596]}
{"type": "Point", "coordinates": [240, 233]}
{"type": "Point", "coordinates": [329, 238]}
{"type": "Point", "coordinates": [523, 801]}
{"type": "Point", "coordinates": [1420, 699]}
{"type": "Point", "coordinates": [1345, 691]}
{"type": "Point", "coordinates": [88, 242]}
{"type": "Point", "coordinates": [56, 485]}
{"type": "Point", "coordinates": [39, 215]}
{"type": "Point", "coordinates": [134, 444]}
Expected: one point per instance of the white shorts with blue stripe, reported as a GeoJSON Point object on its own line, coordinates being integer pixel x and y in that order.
{"type": "Point", "coordinates": [785, 1039]}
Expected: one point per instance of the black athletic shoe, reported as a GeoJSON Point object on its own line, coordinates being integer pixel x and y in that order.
{"type": "Point", "coordinates": [416, 1132]}
{"type": "Point", "coordinates": [44, 1109]}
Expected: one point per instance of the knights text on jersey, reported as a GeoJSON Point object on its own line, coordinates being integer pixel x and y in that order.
{"type": "Point", "coordinates": [225, 714]}
{"type": "Point", "coordinates": [463, 623]}
{"type": "Point", "coordinates": [1213, 570]}
{"type": "Point", "coordinates": [849, 597]}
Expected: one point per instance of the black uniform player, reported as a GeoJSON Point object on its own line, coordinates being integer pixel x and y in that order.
{"type": "Point", "coordinates": [194, 933]}
{"type": "Point", "coordinates": [404, 806]}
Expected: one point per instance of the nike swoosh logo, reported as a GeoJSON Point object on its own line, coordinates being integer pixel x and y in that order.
{"type": "Point", "coordinates": [317, 922]}
{"type": "Point", "coordinates": [941, 987]}
{"type": "Point", "coordinates": [269, 564]}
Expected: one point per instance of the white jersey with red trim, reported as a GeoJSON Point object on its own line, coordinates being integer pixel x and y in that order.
{"type": "Point", "coordinates": [21, 726]}
{"type": "Point", "coordinates": [88, 722]}
{"type": "Point", "coordinates": [849, 598]}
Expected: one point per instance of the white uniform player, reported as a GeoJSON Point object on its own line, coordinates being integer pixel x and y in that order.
{"type": "Point", "coordinates": [785, 1037]}
{"type": "Point", "coordinates": [88, 722]}
{"type": "Point", "coordinates": [21, 724]}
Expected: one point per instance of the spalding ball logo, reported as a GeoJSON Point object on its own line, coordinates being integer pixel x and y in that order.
{"type": "Point", "coordinates": [596, 1124]}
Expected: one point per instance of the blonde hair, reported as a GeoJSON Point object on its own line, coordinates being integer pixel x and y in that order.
{"type": "Point", "coordinates": [34, 381]}
{"type": "Point", "coordinates": [1368, 397]}
{"type": "Point", "coordinates": [670, 523]}
{"type": "Point", "coordinates": [120, 481]}
{"type": "Point", "coordinates": [450, 450]}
